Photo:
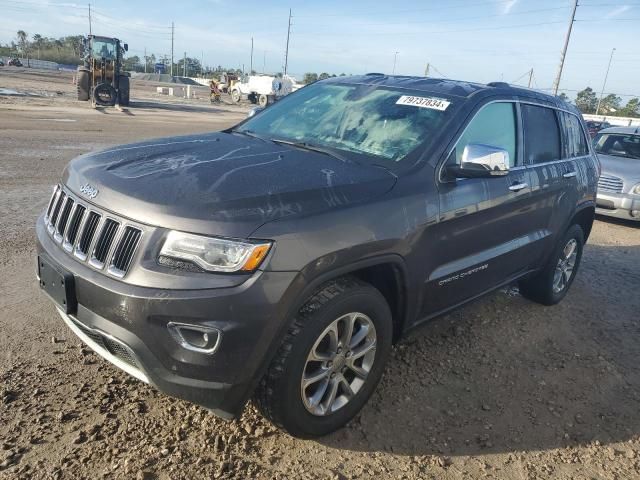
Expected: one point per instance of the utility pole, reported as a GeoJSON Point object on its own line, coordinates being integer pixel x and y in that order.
{"type": "Point", "coordinates": [264, 61]}
{"type": "Point", "coordinates": [395, 58]}
{"type": "Point", "coordinates": [89, 19]}
{"type": "Point", "coordinates": [184, 65]}
{"type": "Point", "coordinates": [172, 32]}
{"type": "Point", "coordinates": [286, 52]}
{"type": "Point", "coordinates": [605, 81]}
{"type": "Point", "coordinates": [251, 64]}
{"type": "Point", "coordinates": [530, 77]}
{"type": "Point", "coordinates": [426, 70]}
{"type": "Point", "coordinates": [556, 84]}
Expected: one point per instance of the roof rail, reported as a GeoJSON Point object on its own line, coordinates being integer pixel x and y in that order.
{"type": "Point", "coordinates": [498, 84]}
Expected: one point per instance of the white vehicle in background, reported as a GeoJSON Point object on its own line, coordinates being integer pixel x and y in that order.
{"type": "Point", "coordinates": [263, 89]}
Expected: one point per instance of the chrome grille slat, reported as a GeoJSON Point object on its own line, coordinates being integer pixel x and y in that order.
{"type": "Point", "coordinates": [63, 219]}
{"type": "Point", "coordinates": [91, 235]}
{"type": "Point", "coordinates": [54, 197]}
{"type": "Point", "coordinates": [609, 183]}
{"type": "Point", "coordinates": [123, 253]}
{"type": "Point", "coordinates": [104, 242]}
{"type": "Point", "coordinates": [53, 219]}
{"type": "Point", "coordinates": [75, 223]}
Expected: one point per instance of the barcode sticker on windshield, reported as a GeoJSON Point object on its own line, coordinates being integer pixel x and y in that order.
{"type": "Point", "coordinates": [424, 102]}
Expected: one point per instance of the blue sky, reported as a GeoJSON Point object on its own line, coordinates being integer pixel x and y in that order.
{"type": "Point", "coordinates": [479, 40]}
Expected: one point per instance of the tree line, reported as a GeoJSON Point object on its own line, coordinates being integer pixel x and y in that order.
{"type": "Point", "coordinates": [66, 50]}
{"type": "Point", "coordinates": [610, 105]}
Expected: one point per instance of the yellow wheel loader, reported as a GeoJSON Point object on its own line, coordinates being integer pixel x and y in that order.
{"type": "Point", "coordinates": [101, 78]}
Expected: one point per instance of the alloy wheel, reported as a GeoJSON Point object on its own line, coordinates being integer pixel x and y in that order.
{"type": "Point", "coordinates": [338, 363]}
{"type": "Point", "coordinates": [565, 266]}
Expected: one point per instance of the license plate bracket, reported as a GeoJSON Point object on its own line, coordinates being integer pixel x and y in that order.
{"type": "Point", "coordinates": [58, 284]}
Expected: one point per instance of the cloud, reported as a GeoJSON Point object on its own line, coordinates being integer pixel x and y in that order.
{"type": "Point", "coordinates": [617, 11]}
{"type": "Point", "coordinates": [508, 6]}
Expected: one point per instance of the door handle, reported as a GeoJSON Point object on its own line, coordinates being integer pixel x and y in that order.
{"type": "Point", "coordinates": [570, 174]}
{"type": "Point", "coordinates": [516, 187]}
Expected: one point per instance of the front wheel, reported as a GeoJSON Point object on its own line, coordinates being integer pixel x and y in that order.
{"type": "Point", "coordinates": [235, 96]}
{"type": "Point", "coordinates": [330, 361]}
{"type": "Point", "coordinates": [552, 283]}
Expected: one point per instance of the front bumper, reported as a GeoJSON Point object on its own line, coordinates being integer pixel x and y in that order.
{"type": "Point", "coordinates": [618, 205]}
{"type": "Point", "coordinates": [127, 325]}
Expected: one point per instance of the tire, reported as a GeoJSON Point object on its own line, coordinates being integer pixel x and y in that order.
{"type": "Point", "coordinates": [82, 85]}
{"type": "Point", "coordinates": [263, 100]}
{"type": "Point", "coordinates": [550, 285]}
{"type": "Point", "coordinates": [104, 94]}
{"type": "Point", "coordinates": [123, 90]}
{"type": "Point", "coordinates": [280, 394]}
{"type": "Point", "coordinates": [235, 95]}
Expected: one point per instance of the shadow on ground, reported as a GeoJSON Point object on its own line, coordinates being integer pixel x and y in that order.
{"type": "Point", "coordinates": [181, 107]}
{"type": "Point", "coordinates": [504, 374]}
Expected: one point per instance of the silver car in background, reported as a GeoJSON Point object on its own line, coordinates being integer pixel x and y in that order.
{"type": "Point", "coordinates": [618, 150]}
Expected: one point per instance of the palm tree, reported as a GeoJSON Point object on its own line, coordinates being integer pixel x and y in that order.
{"type": "Point", "coordinates": [38, 41]}
{"type": "Point", "coordinates": [23, 42]}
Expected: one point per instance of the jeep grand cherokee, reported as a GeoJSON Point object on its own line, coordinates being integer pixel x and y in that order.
{"type": "Point", "coordinates": [280, 259]}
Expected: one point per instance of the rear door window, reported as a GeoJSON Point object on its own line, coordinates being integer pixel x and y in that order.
{"type": "Point", "coordinates": [494, 125]}
{"type": "Point", "coordinates": [576, 141]}
{"type": "Point", "coordinates": [541, 134]}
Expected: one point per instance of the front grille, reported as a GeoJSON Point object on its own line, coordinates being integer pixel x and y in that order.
{"type": "Point", "coordinates": [115, 348]}
{"type": "Point", "coordinates": [104, 242]}
{"type": "Point", "coordinates": [56, 209]}
{"type": "Point", "coordinates": [120, 351]}
{"type": "Point", "coordinates": [74, 225]}
{"type": "Point", "coordinates": [124, 251]}
{"type": "Point", "coordinates": [90, 235]}
{"type": "Point", "coordinates": [609, 183]}
{"type": "Point", "coordinates": [64, 216]}
{"type": "Point", "coordinates": [87, 234]}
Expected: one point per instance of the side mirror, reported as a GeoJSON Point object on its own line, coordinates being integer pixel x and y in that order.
{"type": "Point", "coordinates": [479, 160]}
{"type": "Point", "coordinates": [126, 47]}
{"type": "Point", "coordinates": [254, 111]}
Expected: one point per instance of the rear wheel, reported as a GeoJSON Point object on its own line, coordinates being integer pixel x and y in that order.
{"type": "Point", "coordinates": [551, 284]}
{"type": "Point", "coordinates": [330, 361]}
{"type": "Point", "coordinates": [123, 90]}
{"type": "Point", "coordinates": [263, 100]}
{"type": "Point", "coordinates": [82, 84]}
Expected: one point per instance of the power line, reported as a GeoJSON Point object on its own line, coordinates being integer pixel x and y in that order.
{"type": "Point", "coordinates": [392, 12]}
{"type": "Point", "coordinates": [606, 75]}
{"type": "Point", "coordinates": [436, 32]}
{"type": "Point", "coordinates": [476, 17]}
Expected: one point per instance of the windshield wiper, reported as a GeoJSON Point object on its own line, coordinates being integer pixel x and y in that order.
{"type": "Point", "coordinates": [249, 133]}
{"type": "Point", "coordinates": [311, 147]}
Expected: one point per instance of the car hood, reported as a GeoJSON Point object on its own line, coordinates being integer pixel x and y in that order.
{"type": "Point", "coordinates": [220, 183]}
{"type": "Point", "coordinates": [626, 168]}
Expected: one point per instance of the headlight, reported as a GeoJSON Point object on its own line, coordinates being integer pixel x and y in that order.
{"type": "Point", "coordinates": [636, 190]}
{"type": "Point", "coordinates": [215, 254]}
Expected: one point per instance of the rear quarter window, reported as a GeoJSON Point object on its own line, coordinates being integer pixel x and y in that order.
{"type": "Point", "coordinates": [576, 142]}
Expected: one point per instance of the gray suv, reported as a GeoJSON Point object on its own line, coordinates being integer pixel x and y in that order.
{"type": "Point", "coordinates": [279, 260]}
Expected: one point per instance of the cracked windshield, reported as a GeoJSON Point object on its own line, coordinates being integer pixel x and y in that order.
{"type": "Point", "coordinates": [363, 119]}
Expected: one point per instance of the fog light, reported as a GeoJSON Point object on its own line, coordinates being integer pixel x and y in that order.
{"type": "Point", "coordinates": [195, 337]}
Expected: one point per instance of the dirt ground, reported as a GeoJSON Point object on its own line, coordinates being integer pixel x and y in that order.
{"type": "Point", "coordinates": [503, 388]}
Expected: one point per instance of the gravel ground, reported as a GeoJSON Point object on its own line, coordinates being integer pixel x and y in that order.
{"type": "Point", "coordinates": [502, 388]}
